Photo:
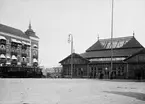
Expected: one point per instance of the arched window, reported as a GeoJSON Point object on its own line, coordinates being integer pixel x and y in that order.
{"type": "Point", "coordinates": [24, 59]}
{"type": "Point", "coordinates": [34, 52]}
{"type": "Point", "coordinates": [2, 47]}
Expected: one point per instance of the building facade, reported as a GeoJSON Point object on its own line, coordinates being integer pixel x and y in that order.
{"type": "Point", "coordinates": [18, 48]}
{"type": "Point", "coordinates": [127, 56]}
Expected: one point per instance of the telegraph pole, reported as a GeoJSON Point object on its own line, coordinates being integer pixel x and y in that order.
{"type": "Point", "coordinates": [111, 38]}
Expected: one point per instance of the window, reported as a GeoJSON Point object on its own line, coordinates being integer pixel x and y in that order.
{"type": "Point", "coordinates": [120, 71]}
{"type": "Point", "coordinates": [34, 52]}
{"type": "Point", "coordinates": [120, 44]}
{"type": "Point", "coordinates": [104, 44]}
{"type": "Point", "coordinates": [108, 45]}
{"type": "Point", "coordinates": [114, 44]}
{"type": "Point", "coordinates": [23, 59]}
{"type": "Point", "coordinates": [2, 47]}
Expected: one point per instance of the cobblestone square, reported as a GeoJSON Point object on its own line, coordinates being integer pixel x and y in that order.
{"type": "Point", "coordinates": [71, 91]}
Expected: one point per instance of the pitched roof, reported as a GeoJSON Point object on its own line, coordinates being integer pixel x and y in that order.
{"type": "Point", "coordinates": [121, 42]}
{"type": "Point", "coordinates": [142, 51]}
{"type": "Point", "coordinates": [74, 55]}
{"type": "Point", "coordinates": [132, 43]}
{"type": "Point", "coordinates": [107, 53]}
{"type": "Point", "coordinates": [96, 46]}
{"type": "Point", "coordinates": [11, 30]}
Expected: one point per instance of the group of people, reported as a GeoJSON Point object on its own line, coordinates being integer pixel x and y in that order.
{"type": "Point", "coordinates": [99, 75]}
{"type": "Point", "coordinates": [102, 75]}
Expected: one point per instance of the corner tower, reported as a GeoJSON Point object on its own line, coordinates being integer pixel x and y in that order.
{"type": "Point", "coordinates": [34, 48]}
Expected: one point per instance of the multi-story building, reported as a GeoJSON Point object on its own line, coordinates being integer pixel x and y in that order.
{"type": "Point", "coordinates": [17, 47]}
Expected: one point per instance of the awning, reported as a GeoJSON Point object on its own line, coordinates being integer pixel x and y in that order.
{"type": "Point", "coordinates": [35, 45]}
{"type": "Point", "coordinates": [2, 56]}
{"type": "Point", "coordinates": [26, 43]}
{"type": "Point", "coordinates": [8, 63]}
{"type": "Point", "coordinates": [19, 41]}
{"type": "Point", "coordinates": [14, 57]}
{"type": "Point", "coordinates": [16, 41]}
{"type": "Point", "coordinates": [19, 63]}
{"type": "Point", "coordinates": [35, 60]}
{"type": "Point", "coordinates": [2, 37]}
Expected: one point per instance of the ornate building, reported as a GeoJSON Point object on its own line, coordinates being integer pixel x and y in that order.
{"type": "Point", "coordinates": [18, 48]}
{"type": "Point", "coordinates": [128, 58]}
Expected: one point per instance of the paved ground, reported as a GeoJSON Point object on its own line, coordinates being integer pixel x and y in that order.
{"type": "Point", "coordinates": [71, 91]}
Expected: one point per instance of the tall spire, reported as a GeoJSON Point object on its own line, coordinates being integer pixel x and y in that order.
{"type": "Point", "coordinates": [30, 25]}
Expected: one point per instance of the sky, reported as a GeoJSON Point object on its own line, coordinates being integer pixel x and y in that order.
{"type": "Point", "coordinates": [54, 20]}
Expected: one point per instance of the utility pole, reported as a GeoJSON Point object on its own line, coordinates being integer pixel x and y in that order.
{"type": "Point", "coordinates": [111, 38]}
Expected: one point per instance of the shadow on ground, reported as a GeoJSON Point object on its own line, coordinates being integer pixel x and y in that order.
{"type": "Point", "coordinates": [122, 80]}
{"type": "Point", "coordinates": [139, 96]}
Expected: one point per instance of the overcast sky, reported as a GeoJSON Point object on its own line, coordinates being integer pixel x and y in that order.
{"type": "Point", "coordinates": [53, 20]}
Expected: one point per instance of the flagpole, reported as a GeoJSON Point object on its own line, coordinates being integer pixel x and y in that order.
{"type": "Point", "coordinates": [111, 38]}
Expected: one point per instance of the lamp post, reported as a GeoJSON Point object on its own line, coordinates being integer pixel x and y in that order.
{"type": "Point", "coordinates": [70, 40]}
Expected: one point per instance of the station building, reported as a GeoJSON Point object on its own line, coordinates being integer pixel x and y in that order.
{"type": "Point", "coordinates": [18, 48]}
{"type": "Point", "coordinates": [128, 60]}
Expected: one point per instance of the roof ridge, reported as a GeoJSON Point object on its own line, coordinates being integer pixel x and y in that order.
{"type": "Point", "coordinates": [116, 38]}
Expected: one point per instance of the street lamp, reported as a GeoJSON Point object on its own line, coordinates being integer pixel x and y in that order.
{"type": "Point", "coordinates": [70, 40]}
